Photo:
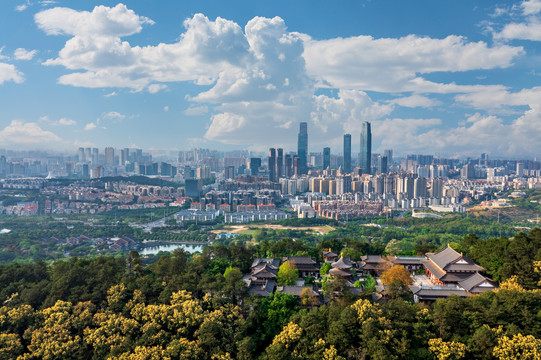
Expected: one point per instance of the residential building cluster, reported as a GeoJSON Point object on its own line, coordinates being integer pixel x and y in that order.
{"type": "Point", "coordinates": [121, 243]}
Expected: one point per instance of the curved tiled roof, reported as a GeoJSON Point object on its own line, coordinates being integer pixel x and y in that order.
{"type": "Point", "coordinates": [342, 263]}
{"type": "Point", "coordinates": [341, 272]}
{"type": "Point", "coordinates": [474, 281]}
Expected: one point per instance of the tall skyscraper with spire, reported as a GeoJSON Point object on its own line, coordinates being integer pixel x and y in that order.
{"type": "Point", "coordinates": [302, 150]}
{"type": "Point", "coordinates": [365, 155]}
{"type": "Point", "coordinates": [347, 153]}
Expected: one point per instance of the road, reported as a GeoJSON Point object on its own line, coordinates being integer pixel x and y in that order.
{"type": "Point", "coordinates": [157, 223]}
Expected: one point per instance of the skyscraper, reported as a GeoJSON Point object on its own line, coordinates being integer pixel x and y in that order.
{"type": "Point", "coordinates": [289, 166]}
{"type": "Point", "coordinates": [347, 153]}
{"type": "Point", "coordinates": [254, 165]}
{"type": "Point", "coordinates": [389, 154]}
{"type": "Point", "coordinates": [123, 156]}
{"type": "Point", "coordinates": [280, 164]}
{"type": "Point", "coordinates": [109, 156]}
{"type": "Point", "coordinates": [272, 164]}
{"type": "Point", "coordinates": [365, 155]}
{"type": "Point", "coordinates": [81, 155]}
{"type": "Point", "coordinates": [95, 156]}
{"type": "Point", "coordinates": [382, 164]}
{"type": "Point", "coordinates": [302, 150]}
{"type": "Point", "coordinates": [326, 157]}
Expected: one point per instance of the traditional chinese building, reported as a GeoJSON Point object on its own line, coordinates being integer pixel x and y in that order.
{"type": "Point", "coordinates": [449, 267]}
{"type": "Point", "coordinates": [304, 264]}
{"type": "Point", "coordinates": [262, 278]}
{"type": "Point", "coordinates": [342, 268]}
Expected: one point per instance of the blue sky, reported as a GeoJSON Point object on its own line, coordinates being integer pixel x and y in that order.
{"type": "Point", "coordinates": [449, 78]}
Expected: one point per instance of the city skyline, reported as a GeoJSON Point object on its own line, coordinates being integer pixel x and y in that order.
{"type": "Point", "coordinates": [230, 76]}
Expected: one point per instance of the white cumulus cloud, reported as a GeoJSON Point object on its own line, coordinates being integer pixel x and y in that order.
{"type": "Point", "coordinates": [19, 132]}
{"type": "Point", "coordinates": [90, 126]}
{"type": "Point", "coordinates": [154, 88]}
{"type": "Point", "coordinates": [391, 65]}
{"type": "Point", "coordinates": [102, 21]}
{"type": "Point", "coordinates": [9, 72]}
{"type": "Point", "coordinates": [260, 80]}
{"type": "Point", "coordinates": [21, 7]}
{"type": "Point", "coordinates": [415, 101]}
{"type": "Point", "coordinates": [66, 122]}
{"type": "Point", "coordinates": [23, 54]}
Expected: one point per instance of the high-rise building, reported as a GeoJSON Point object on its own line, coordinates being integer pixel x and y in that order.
{"type": "Point", "coordinates": [203, 172]}
{"type": "Point", "coordinates": [419, 188]}
{"type": "Point", "coordinates": [365, 154]}
{"type": "Point", "coordinates": [302, 149]}
{"type": "Point", "coordinates": [437, 188]}
{"type": "Point", "coordinates": [138, 155]}
{"type": "Point", "coordinates": [467, 172]}
{"type": "Point", "coordinates": [229, 172]}
{"type": "Point", "coordinates": [389, 154]}
{"type": "Point", "coordinates": [272, 164]}
{"type": "Point", "coordinates": [520, 169]}
{"type": "Point", "coordinates": [81, 154]}
{"type": "Point", "coordinates": [289, 166]}
{"type": "Point", "coordinates": [280, 163]}
{"type": "Point", "coordinates": [382, 164]}
{"type": "Point", "coordinates": [254, 165]}
{"type": "Point", "coordinates": [123, 156]}
{"type": "Point", "coordinates": [85, 172]}
{"type": "Point", "coordinates": [326, 158]}
{"type": "Point", "coordinates": [109, 156]}
{"type": "Point", "coordinates": [95, 156]}
{"type": "Point", "coordinates": [347, 153]}
{"type": "Point", "coordinates": [193, 187]}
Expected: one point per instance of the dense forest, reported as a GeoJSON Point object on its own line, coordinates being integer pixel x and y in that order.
{"type": "Point", "coordinates": [186, 306]}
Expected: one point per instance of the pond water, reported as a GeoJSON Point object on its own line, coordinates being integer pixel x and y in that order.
{"type": "Point", "coordinates": [151, 250]}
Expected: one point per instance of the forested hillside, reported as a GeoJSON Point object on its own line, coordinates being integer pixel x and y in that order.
{"type": "Point", "coordinates": [197, 307]}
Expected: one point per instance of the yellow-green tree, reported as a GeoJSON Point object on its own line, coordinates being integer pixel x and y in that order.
{"type": "Point", "coordinates": [55, 339]}
{"type": "Point", "coordinates": [287, 274]}
{"type": "Point", "coordinates": [10, 346]}
{"type": "Point", "coordinates": [519, 347]}
{"type": "Point", "coordinates": [446, 350]}
{"type": "Point", "coordinates": [288, 336]}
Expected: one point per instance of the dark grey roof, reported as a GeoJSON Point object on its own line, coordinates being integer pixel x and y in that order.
{"type": "Point", "coordinates": [341, 272]}
{"type": "Point", "coordinates": [262, 261]}
{"type": "Point", "coordinates": [444, 257]}
{"type": "Point", "coordinates": [437, 292]}
{"type": "Point", "coordinates": [408, 260]}
{"type": "Point", "coordinates": [433, 268]}
{"type": "Point", "coordinates": [265, 271]}
{"type": "Point", "coordinates": [455, 277]}
{"type": "Point", "coordinates": [265, 289]}
{"type": "Point", "coordinates": [342, 263]}
{"type": "Point", "coordinates": [300, 260]}
{"type": "Point", "coordinates": [464, 267]}
{"type": "Point", "coordinates": [329, 254]}
{"type": "Point", "coordinates": [474, 281]}
{"type": "Point", "coordinates": [372, 258]}
{"type": "Point", "coordinates": [449, 260]}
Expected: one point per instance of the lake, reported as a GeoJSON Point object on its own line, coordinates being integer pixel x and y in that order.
{"type": "Point", "coordinates": [151, 250]}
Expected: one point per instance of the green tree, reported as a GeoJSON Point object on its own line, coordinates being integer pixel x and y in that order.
{"type": "Point", "coordinates": [287, 274]}
{"type": "Point", "coordinates": [234, 286]}
{"type": "Point", "coordinates": [324, 270]}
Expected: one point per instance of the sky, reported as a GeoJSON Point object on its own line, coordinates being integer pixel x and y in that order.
{"type": "Point", "coordinates": [450, 78]}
